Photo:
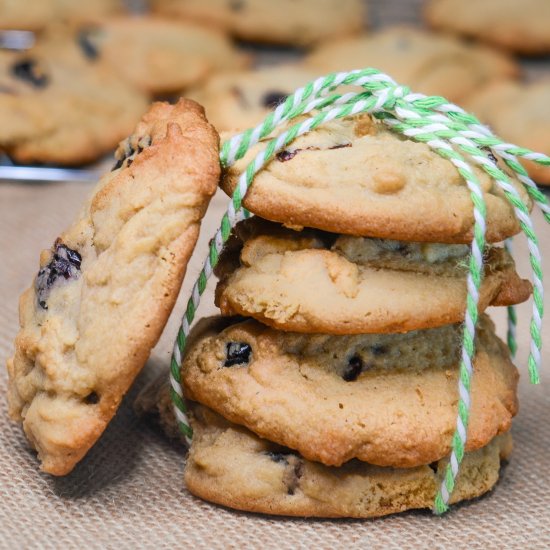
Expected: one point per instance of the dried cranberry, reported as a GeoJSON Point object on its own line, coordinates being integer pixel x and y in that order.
{"type": "Point", "coordinates": [29, 71]}
{"type": "Point", "coordinates": [272, 99]}
{"type": "Point", "coordinates": [285, 155]}
{"type": "Point", "coordinates": [490, 154]}
{"type": "Point", "coordinates": [84, 40]}
{"type": "Point", "coordinates": [280, 458]}
{"type": "Point", "coordinates": [353, 368]}
{"type": "Point", "coordinates": [65, 263]}
{"type": "Point", "coordinates": [237, 353]}
{"type": "Point", "coordinates": [91, 399]}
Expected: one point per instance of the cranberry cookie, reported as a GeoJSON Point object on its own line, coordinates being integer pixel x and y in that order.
{"type": "Point", "coordinates": [390, 400]}
{"type": "Point", "coordinates": [60, 110]}
{"type": "Point", "coordinates": [106, 288]}
{"type": "Point", "coordinates": [355, 176]}
{"type": "Point", "coordinates": [230, 465]}
{"type": "Point", "coordinates": [35, 15]}
{"type": "Point", "coordinates": [311, 281]}
{"type": "Point", "coordinates": [427, 62]}
{"type": "Point", "coordinates": [517, 26]}
{"type": "Point", "coordinates": [295, 22]}
{"type": "Point", "coordinates": [157, 56]}
{"type": "Point", "coordinates": [240, 100]}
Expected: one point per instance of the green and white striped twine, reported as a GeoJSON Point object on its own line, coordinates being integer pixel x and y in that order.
{"type": "Point", "coordinates": [445, 128]}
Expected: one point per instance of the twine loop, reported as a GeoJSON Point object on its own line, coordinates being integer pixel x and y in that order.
{"type": "Point", "coordinates": [448, 130]}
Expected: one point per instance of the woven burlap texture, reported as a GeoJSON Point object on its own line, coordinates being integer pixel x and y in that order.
{"type": "Point", "coordinates": [128, 492]}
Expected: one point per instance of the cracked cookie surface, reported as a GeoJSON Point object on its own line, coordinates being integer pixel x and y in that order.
{"type": "Point", "coordinates": [229, 465]}
{"type": "Point", "coordinates": [355, 176]}
{"type": "Point", "coordinates": [390, 400]}
{"type": "Point", "coordinates": [106, 289]}
{"type": "Point", "coordinates": [311, 281]}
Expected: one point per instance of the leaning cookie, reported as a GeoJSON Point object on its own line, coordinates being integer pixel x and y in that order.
{"type": "Point", "coordinates": [519, 113]}
{"type": "Point", "coordinates": [355, 176]}
{"type": "Point", "coordinates": [106, 288]}
{"type": "Point", "coordinates": [311, 281]}
{"type": "Point", "coordinates": [157, 56]}
{"type": "Point", "coordinates": [231, 466]}
{"type": "Point", "coordinates": [517, 26]}
{"type": "Point", "coordinates": [242, 99]}
{"type": "Point", "coordinates": [389, 400]}
{"type": "Point", "coordinates": [430, 63]}
{"type": "Point", "coordinates": [294, 22]}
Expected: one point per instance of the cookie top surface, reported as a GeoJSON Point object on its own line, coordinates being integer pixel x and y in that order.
{"type": "Point", "coordinates": [355, 176]}
{"type": "Point", "coordinates": [310, 281]}
{"type": "Point", "coordinates": [232, 466]}
{"type": "Point", "coordinates": [155, 55]}
{"type": "Point", "coordinates": [426, 62]}
{"type": "Point", "coordinates": [519, 113]}
{"type": "Point", "coordinates": [57, 109]}
{"type": "Point", "coordinates": [295, 22]}
{"type": "Point", "coordinates": [240, 100]}
{"type": "Point", "coordinates": [36, 14]}
{"type": "Point", "coordinates": [390, 400]}
{"type": "Point", "coordinates": [517, 26]}
{"type": "Point", "coordinates": [106, 288]}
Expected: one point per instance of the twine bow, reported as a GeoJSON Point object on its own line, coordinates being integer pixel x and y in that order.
{"type": "Point", "coordinates": [451, 132]}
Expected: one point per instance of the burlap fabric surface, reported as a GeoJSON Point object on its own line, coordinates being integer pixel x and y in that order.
{"type": "Point", "coordinates": [128, 492]}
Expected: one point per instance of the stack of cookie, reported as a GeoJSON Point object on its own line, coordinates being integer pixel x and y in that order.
{"type": "Point", "coordinates": [336, 395]}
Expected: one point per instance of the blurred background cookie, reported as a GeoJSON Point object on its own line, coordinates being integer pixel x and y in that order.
{"type": "Point", "coordinates": [239, 100]}
{"type": "Point", "coordinates": [37, 14]}
{"type": "Point", "coordinates": [519, 113]}
{"type": "Point", "coordinates": [295, 22]}
{"type": "Point", "coordinates": [355, 176]}
{"type": "Point", "coordinates": [518, 25]}
{"type": "Point", "coordinates": [156, 55]}
{"type": "Point", "coordinates": [430, 63]}
{"type": "Point", "coordinates": [55, 109]}
{"type": "Point", "coordinates": [276, 275]}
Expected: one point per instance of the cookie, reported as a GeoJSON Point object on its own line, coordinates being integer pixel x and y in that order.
{"type": "Point", "coordinates": [390, 400]}
{"type": "Point", "coordinates": [231, 466]}
{"type": "Point", "coordinates": [310, 281]}
{"type": "Point", "coordinates": [518, 113]}
{"type": "Point", "coordinates": [517, 26]}
{"type": "Point", "coordinates": [240, 100]}
{"type": "Point", "coordinates": [55, 109]}
{"type": "Point", "coordinates": [34, 15]}
{"type": "Point", "coordinates": [294, 22]}
{"type": "Point", "coordinates": [357, 177]}
{"type": "Point", "coordinates": [106, 288]}
{"type": "Point", "coordinates": [426, 62]}
{"type": "Point", "coordinates": [156, 55]}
